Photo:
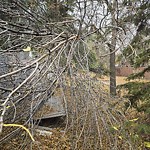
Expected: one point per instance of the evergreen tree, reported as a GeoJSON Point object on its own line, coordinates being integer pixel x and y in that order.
{"type": "Point", "coordinates": [138, 54]}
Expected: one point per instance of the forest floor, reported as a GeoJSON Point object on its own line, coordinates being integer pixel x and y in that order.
{"type": "Point", "coordinates": [55, 139]}
{"type": "Point", "coordinates": [58, 141]}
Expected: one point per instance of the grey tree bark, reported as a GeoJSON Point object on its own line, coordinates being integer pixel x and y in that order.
{"type": "Point", "coordinates": [112, 50]}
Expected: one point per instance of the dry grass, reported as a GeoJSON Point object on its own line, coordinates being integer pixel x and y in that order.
{"type": "Point", "coordinates": [122, 80]}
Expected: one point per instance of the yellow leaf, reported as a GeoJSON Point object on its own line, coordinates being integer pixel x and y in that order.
{"type": "Point", "coordinates": [8, 107]}
{"type": "Point", "coordinates": [147, 144]}
{"type": "Point", "coordinates": [27, 49]}
{"type": "Point", "coordinates": [115, 128]}
{"type": "Point", "coordinates": [120, 137]}
{"type": "Point", "coordinates": [134, 119]}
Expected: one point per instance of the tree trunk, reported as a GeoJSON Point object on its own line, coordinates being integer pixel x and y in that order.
{"type": "Point", "coordinates": [112, 71]}
{"type": "Point", "coordinates": [112, 51]}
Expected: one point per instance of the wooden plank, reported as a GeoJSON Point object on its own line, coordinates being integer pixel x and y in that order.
{"type": "Point", "coordinates": [51, 109]}
{"type": "Point", "coordinates": [52, 115]}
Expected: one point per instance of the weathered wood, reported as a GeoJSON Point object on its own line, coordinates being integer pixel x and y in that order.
{"type": "Point", "coordinates": [51, 109]}
{"type": "Point", "coordinates": [53, 115]}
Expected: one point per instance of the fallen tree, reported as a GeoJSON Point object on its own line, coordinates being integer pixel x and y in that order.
{"type": "Point", "coordinates": [41, 57]}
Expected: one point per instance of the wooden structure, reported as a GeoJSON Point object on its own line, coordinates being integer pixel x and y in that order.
{"type": "Point", "coordinates": [127, 70]}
